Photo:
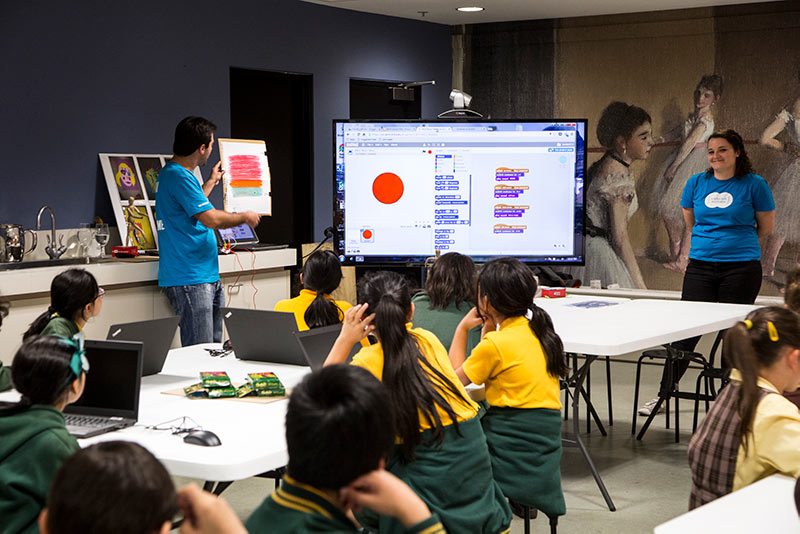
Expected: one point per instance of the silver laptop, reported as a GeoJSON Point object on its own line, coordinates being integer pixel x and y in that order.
{"type": "Point", "coordinates": [242, 237]}
{"type": "Point", "coordinates": [156, 336]}
{"type": "Point", "coordinates": [317, 343]}
{"type": "Point", "coordinates": [110, 400]}
{"type": "Point", "coordinates": [264, 336]}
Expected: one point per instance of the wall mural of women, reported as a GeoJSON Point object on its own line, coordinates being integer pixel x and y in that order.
{"type": "Point", "coordinates": [688, 159]}
{"type": "Point", "coordinates": [787, 187]}
{"type": "Point", "coordinates": [625, 132]}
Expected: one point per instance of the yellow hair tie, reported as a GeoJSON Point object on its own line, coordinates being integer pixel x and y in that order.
{"type": "Point", "coordinates": [748, 324]}
{"type": "Point", "coordinates": [773, 332]}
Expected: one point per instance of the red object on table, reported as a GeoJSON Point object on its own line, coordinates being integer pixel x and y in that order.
{"type": "Point", "coordinates": [124, 252]}
{"type": "Point", "coordinates": [554, 292]}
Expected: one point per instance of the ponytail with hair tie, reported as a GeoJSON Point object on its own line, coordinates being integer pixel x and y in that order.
{"type": "Point", "coordinates": [755, 344]}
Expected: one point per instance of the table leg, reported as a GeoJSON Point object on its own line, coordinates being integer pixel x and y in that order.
{"type": "Point", "coordinates": [578, 378]}
{"type": "Point", "coordinates": [216, 487]}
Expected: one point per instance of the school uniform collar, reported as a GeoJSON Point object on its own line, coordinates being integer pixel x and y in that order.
{"type": "Point", "coordinates": [313, 294]}
{"type": "Point", "coordinates": [513, 321]}
{"type": "Point", "coordinates": [762, 382]}
{"type": "Point", "coordinates": [55, 314]}
{"type": "Point", "coordinates": [308, 499]}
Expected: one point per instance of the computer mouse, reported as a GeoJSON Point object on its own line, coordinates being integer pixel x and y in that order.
{"type": "Point", "coordinates": [227, 345]}
{"type": "Point", "coordinates": [206, 438]}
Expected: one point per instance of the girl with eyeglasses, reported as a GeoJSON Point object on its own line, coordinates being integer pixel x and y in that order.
{"type": "Point", "coordinates": [75, 298]}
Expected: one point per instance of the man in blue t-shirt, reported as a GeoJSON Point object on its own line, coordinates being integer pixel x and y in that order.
{"type": "Point", "coordinates": [188, 267]}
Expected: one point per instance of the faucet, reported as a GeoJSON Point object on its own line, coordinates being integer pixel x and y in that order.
{"type": "Point", "coordinates": [52, 250]}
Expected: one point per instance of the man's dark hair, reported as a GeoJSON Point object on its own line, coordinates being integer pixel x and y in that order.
{"type": "Point", "coordinates": [192, 133]}
{"type": "Point", "coordinates": [339, 426]}
{"type": "Point", "coordinates": [116, 486]}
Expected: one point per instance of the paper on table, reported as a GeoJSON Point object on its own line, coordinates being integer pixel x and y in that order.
{"type": "Point", "coordinates": [246, 183]}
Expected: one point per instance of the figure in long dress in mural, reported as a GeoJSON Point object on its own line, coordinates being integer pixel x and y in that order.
{"type": "Point", "coordinates": [626, 133]}
{"type": "Point", "coordinates": [688, 159]}
{"type": "Point", "coordinates": [786, 190]}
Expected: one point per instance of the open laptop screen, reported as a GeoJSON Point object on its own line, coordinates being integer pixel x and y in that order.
{"type": "Point", "coordinates": [113, 382]}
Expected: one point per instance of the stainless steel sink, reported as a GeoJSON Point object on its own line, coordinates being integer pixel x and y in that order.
{"type": "Point", "coordinates": [48, 263]}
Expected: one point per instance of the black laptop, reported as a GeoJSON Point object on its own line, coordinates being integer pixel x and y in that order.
{"type": "Point", "coordinates": [156, 335]}
{"type": "Point", "coordinates": [317, 343]}
{"type": "Point", "coordinates": [242, 237]}
{"type": "Point", "coordinates": [264, 336]}
{"type": "Point", "coordinates": [110, 400]}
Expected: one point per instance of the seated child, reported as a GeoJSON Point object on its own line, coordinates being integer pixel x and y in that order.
{"type": "Point", "coordinates": [441, 450]}
{"type": "Point", "coordinates": [75, 298]}
{"type": "Point", "coordinates": [115, 486]}
{"type": "Point", "coordinates": [49, 373]}
{"type": "Point", "coordinates": [315, 307]}
{"type": "Point", "coordinates": [520, 360]}
{"type": "Point", "coordinates": [449, 294]}
{"type": "Point", "coordinates": [751, 431]}
{"type": "Point", "coordinates": [339, 432]}
{"type": "Point", "coordinates": [791, 300]}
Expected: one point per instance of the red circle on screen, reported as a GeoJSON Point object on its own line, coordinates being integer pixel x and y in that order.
{"type": "Point", "coordinates": [367, 234]}
{"type": "Point", "coordinates": [387, 188]}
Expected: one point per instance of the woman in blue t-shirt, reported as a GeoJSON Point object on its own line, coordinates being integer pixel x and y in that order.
{"type": "Point", "coordinates": [728, 209]}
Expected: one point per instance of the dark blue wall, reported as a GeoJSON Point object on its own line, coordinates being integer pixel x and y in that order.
{"type": "Point", "coordinates": [85, 77]}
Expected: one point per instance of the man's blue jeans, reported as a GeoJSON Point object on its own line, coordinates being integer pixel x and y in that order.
{"type": "Point", "coordinates": [198, 306]}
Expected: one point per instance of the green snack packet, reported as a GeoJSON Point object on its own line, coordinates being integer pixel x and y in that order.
{"type": "Point", "coordinates": [265, 380]}
{"type": "Point", "coordinates": [215, 379]}
{"type": "Point", "coordinates": [273, 392]}
{"type": "Point", "coordinates": [195, 391]}
{"type": "Point", "coordinates": [218, 393]}
{"type": "Point", "coordinates": [244, 390]}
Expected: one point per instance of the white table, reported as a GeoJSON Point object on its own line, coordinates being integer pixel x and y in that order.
{"type": "Point", "coordinates": [764, 506]}
{"type": "Point", "coordinates": [252, 435]}
{"type": "Point", "coordinates": [628, 326]}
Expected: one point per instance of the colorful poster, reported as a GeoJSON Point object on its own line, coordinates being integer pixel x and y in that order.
{"type": "Point", "coordinates": [149, 167]}
{"type": "Point", "coordinates": [139, 228]}
{"type": "Point", "coordinates": [246, 182]}
{"type": "Point", "coordinates": [124, 173]}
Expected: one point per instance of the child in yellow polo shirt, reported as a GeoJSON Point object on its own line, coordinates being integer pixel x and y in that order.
{"type": "Point", "coordinates": [441, 451]}
{"type": "Point", "coordinates": [751, 431]}
{"type": "Point", "coordinates": [314, 306]}
{"type": "Point", "coordinates": [520, 360]}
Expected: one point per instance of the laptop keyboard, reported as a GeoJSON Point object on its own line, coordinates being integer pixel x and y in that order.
{"type": "Point", "coordinates": [86, 421]}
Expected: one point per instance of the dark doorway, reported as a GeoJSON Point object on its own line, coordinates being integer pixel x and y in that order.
{"type": "Point", "coordinates": [375, 99]}
{"type": "Point", "coordinates": [277, 107]}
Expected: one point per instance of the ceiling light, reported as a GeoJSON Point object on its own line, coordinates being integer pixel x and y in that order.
{"type": "Point", "coordinates": [469, 9]}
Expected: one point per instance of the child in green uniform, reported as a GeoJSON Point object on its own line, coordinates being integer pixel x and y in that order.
{"type": "Point", "coordinates": [520, 360]}
{"type": "Point", "coordinates": [449, 294]}
{"type": "Point", "coordinates": [441, 451]}
{"type": "Point", "coordinates": [338, 432]}
{"type": "Point", "coordinates": [314, 307]}
{"type": "Point", "coordinates": [115, 486]}
{"type": "Point", "coordinates": [75, 298]}
{"type": "Point", "coordinates": [49, 373]}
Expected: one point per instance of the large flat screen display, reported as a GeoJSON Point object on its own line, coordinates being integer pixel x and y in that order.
{"type": "Point", "coordinates": [404, 190]}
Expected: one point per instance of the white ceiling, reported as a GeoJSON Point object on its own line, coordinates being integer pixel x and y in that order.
{"type": "Point", "coordinates": [444, 11]}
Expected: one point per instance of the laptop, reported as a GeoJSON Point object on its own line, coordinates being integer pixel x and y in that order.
{"type": "Point", "coordinates": [110, 400]}
{"type": "Point", "coordinates": [263, 336]}
{"type": "Point", "coordinates": [317, 343]}
{"type": "Point", "coordinates": [156, 336]}
{"type": "Point", "coordinates": [242, 237]}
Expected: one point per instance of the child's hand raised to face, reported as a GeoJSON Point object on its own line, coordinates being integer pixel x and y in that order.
{"type": "Point", "coordinates": [356, 325]}
{"type": "Point", "coordinates": [385, 494]}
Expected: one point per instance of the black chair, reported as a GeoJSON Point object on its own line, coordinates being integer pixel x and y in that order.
{"type": "Point", "coordinates": [529, 513]}
{"type": "Point", "coordinates": [671, 357]}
